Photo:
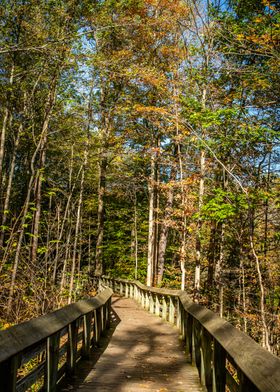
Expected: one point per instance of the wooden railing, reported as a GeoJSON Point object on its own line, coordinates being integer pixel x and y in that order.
{"type": "Point", "coordinates": [226, 358]}
{"type": "Point", "coordinates": [42, 351]}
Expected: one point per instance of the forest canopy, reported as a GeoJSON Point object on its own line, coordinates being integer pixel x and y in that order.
{"type": "Point", "coordinates": [140, 139]}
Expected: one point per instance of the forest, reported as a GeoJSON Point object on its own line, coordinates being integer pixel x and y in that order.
{"type": "Point", "coordinates": [140, 139]}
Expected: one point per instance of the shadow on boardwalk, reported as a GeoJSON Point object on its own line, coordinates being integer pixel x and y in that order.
{"type": "Point", "coordinates": [139, 353]}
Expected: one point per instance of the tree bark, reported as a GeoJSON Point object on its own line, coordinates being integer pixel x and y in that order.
{"type": "Point", "coordinates": [77, 226]}
{"type": "Point", "coordinates": [100, 215]}
{"type": "Point", "coordinates": [4, 127]}
{"type": "Point", "coordinates": [165, 227]}
{"type": "Point", "coordinates": [199, 226]}
{"type": "Point", "coordinates": [36, 224]}
{"type": "Point", "coordinates": [151, 234]}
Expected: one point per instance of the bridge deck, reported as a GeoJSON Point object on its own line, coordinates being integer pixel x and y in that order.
{"type": "Point", "coordinates": [144, 354]}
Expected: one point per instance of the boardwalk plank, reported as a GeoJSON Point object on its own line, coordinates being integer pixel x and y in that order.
{"type": "Point", "coordinates": [144, 354]}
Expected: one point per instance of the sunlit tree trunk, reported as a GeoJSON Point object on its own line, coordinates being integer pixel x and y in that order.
{"type": "Point", "coordinates": [151, 233]}
{"type": "Point", "coordinates": [165, 226]}
{"type": "Point", "coordinates": [100, 215]}
{"type": "Point", "coordinates": [199, 227]}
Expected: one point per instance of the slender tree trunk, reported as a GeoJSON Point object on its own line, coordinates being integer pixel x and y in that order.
{"type": "Point", "coordinates": [9, 186]}
{"type": "Point", "coordinates": [41, 142]}
{"type": "Point", "coordinates": [19, 243]}
{"type": "Point", "coordinates": [89, 247]}
{"type": "Point", "coordinates": [49, 225]}
{"type": "Point", "coordinates": [199, 227]}
{"type": "Point", "coordinates": [243, 293]}
{"type": "Point", "coordinates": [57, 245]}
{"type": "Point", "coordinates": [151, 235]}
{"type": "Point", "coordinates": [211, 257]}
{"type": "Point", "coordinates": [135, 238]}
{"type": "Point", "coordinates": [77, 226]}
{"type": "Point", "coordinates": [4, 127]}
{"type": "Point", "coordinates": [100, 216]}
{"type": "Point", "coordinates": [265, 337]}
{"type": "Point", "coordinates": [49, 108]}
{"type": "Point", "coordinates": [71, 188]}
{"type": "Point", "coordinates": [165, 227]}
{"type": "Point", "coordinates": [67, 251]}
{"type": "Point", "coordinates": [35, 237]}
{"type": "Point", "coordinates": [156, 226]}
{"type": "Point", "coordinates": [266, 208]}
{"type": "Point", "coordinates": [218, 270]}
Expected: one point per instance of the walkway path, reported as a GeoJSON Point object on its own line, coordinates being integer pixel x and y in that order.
{"type": "Point", "coordinates": [144, 354]}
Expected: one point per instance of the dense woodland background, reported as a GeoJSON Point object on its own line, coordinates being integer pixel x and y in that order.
{"type": "Point", "coordinates": [140, 138]}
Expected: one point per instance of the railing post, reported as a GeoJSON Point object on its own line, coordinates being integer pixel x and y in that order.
{"type": "Point", "coordinates": [52, 358]}
{"type": "Point", "coordinates": [8, 374]}
{"type": "Point", "coordinates": [151, 303]}
{"type": "Point", "coordinates": [108, 313]}
{"type": "Point", "coordinates": [142, 298]}
{"type": "Point", "coordinates": [121, 288]}
{"type": "Point", "coordinates": [206, 359]}
{"type": "Point", "coordinates": [97, 326]}
{"type": "Point", "coordinates": [197, 344]}
{"type": "Point", "coordinates": [157, 310]}
{"type": "Point", "coordinates": [178, 314]}
{"type": "Point", "coordinates": [188, 328]}
{"type": "Point", "coordinates": [147, 306]}
{"type": "Point", "coordinates": [126, 290]}
{"type": "Point", "coordinates": [164, 308]}
{"type": "Point", "coordinates": [219, 368]}
{"type": "Point", "coordinates": [102, 314]}
{"type": "Point", "coordinates": [131, 290]}
{"type": "Point", "coordinates": [183, 324]}
{"type": "Point", "coordinates": [86, 335]}
{"type": "Point", "coordinates": [72, 346]}
{"type": "Point", "coordinates": [171, 317]}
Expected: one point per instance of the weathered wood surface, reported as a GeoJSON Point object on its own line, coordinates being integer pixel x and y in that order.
{"type": "Point", "coordinates": [144, 354]}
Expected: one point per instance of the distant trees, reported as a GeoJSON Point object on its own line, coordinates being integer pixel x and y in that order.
{"type": "Point", "coordinates": [141, 139]}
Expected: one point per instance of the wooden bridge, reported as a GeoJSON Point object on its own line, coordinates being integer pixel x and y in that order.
{"type": "Point", "coordinates": [60, 351]}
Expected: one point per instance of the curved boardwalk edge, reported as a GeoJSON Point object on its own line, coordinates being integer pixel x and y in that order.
{"type": "Point", "coordinates": [144, 354]}
{"type": "Point", "coordinates": [54, 342]}
{"type": "Point", "coordinates": [225, 357]}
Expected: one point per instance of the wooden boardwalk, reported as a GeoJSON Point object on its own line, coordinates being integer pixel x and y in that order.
{"type": "Point", "coordinates": [143, 354]}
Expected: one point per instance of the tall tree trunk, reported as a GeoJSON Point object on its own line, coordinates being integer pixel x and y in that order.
{"type": "Point", "coordinates": [67, 251]}
{"type": "Point", "coordinates": [151, 234]}
{"type": "Point", "coordinates": [57, 245]}
{"type": "Point", "coordinates": [199, 226]}
{"type": "Point", "coordinates": [165, 226]}
{"type": "Point", "coordinates": [100, 215]}
{"type": "Point", "coordinates": [77, 226]}
{"type": "Point", "coordinates": [265, 335]}
{"type": "Point", "coordinates": [9, 186]}
{"type": "Point", "coordinates": [211, 257]}
{"type": "Point", "coordinates": [4, 126]}
{"type": "Point", "coordinates": [40, 144]}
{"type": "Point", "coordinates": [218, 270]}
{"type": "Point", "coordinates": [156, 225]}
{"type": "Point", "coordinates": [36, 224]}
{"type": "Point", "coordinates": [135, 238]}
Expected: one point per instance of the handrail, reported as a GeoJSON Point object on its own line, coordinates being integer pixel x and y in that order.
{"type": "Point", "coordinates": [225, 357]}
{"type": "Point", "coordinates": [55, 342]}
